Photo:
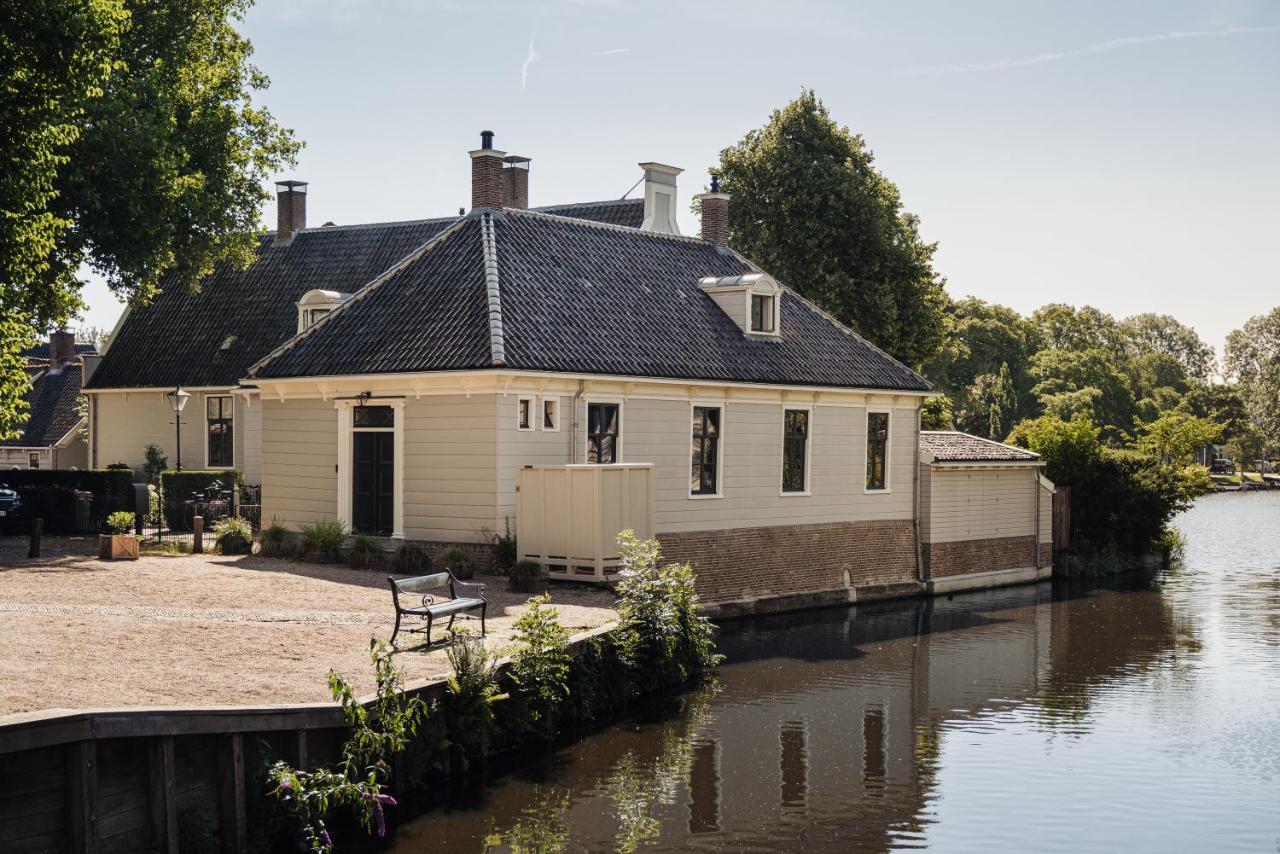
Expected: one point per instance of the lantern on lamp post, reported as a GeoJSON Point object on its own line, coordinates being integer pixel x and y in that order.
{"type": "Point", "coordinates": [177, 400]}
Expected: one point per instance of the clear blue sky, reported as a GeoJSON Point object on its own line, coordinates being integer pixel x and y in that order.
{"type": "Point", "coordinates": [1118, 154]}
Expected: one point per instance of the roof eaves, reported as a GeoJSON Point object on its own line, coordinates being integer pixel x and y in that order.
{"type": "Point", "coordinates": [380, 280]}
{"type": "Point", "coordinates": [490, 247]}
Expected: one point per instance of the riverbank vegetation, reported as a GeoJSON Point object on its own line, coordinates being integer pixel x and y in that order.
{"type": "Point", "coordinates": [400, 745]}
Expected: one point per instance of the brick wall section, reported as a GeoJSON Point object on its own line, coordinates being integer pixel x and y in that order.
{"type": "Point", "coordinates": [715, 218]}
{"type": "Point", "coordinates": [486, 180]}
{"type": "Point", "coordinates": [747, 563]}
{"type": "Point", "coordinates": [942, 560]}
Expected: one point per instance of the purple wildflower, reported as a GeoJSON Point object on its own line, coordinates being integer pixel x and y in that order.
{"type": "Point", "coordinates": [325, 838]}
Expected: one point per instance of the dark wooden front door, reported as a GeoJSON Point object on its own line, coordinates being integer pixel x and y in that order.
{"type": "Point", "coordinates": [373, 486]}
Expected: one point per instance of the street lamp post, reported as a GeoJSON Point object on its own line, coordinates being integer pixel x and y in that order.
{"type": "Point", "coordinates": [177, 400]}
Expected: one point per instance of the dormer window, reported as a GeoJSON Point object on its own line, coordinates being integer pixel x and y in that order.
{"type": "Point", "coordinates": [752, 301]}
{"type": "Point", "coordinates": [762, 311]}
{"type": "Point", "coordinates": [316, 305]}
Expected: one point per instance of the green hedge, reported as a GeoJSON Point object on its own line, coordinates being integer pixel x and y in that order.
{"type": "Point", "coordinates": [50, 494]}
{"type": "Point", "coordinates": [112, 482]}
{"type": "Point", "coordinates": [177, 486]}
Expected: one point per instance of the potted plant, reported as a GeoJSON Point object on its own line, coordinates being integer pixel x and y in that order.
{"type": "Point", "coordinates": [120, 544]}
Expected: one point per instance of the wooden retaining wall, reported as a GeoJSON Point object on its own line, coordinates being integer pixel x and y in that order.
{"type": "Point", "coordinates": [129, 780]}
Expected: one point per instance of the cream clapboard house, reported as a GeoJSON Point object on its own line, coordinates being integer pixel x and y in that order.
{"type": "Point", "coordinates": [443, 380]}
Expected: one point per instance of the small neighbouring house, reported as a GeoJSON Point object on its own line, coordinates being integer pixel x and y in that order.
{"type": "Point", "coordinates": [53, 435]}
{"type": "Point", "coordinates": [986, 511]}
{"type": "Point", "coordinates": [562, 372]}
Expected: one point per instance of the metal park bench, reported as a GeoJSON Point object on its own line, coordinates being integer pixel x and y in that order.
{"type": "Point", "coordinates": [428, 587]}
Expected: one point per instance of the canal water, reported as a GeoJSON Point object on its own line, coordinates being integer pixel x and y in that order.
{"type": "Point", "coordinates": [1141, 715]}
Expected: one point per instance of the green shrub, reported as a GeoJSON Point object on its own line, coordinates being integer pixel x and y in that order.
{"type": "Point", "coordinates": [470, 695]}
{"type": "Point", "coordinates": [119, 467]}
{"type": "Point", "coordinates": [539, 672]}
{"type": "Point", "coordinates": [364, 550]}
{"type": "Point", "coordinates": [458, 561]}
{"type": "Point", "coordinates": [504, 551]}
{"type": "Point", "coordinates": [411, 559]}
{"type": "Point", "coordinates": [325, 539]}
{"type": "Point", "coordinates": [121, 522]}
{"type": "Point", "coordinates": [598, 681]}
{"type": "Point", "coordinates": [233, 536]}
{"type": "Point", "coordinates": [274, 541]}
{"type": "Point", "coordinates": [524, 576]}
{"type": "Point", "coordinates": [662, 638]}
{"type": "Point", "coordinates": [156, 462]}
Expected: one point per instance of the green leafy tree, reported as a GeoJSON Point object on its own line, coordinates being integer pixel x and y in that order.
{"type": "Point", "coordinates": [539, 673]}
{"type": "Point", "coordinates": [1065, 327]}
{"type": "Point", "coordinates": [1070, 448]}
{"type": "Point", "coordinates": [1220, 404]}
{"type": "Point", "coordinates": [810, 206]}
{"type": "Point", "coordinates": [1252, 359]}
{"type": "Point", "coordinates": [1165, 335]}
{"type": "Point", "coordinates": [1247, 447]}
{"type": "Point", "coordinates": [1177, 437]}
{"type": "Point", "coordinates": [1073, 382]}
{"type": "Point", "coordinates": [936, 413]}
{"type": "Point", "coordinates": [132, 148]}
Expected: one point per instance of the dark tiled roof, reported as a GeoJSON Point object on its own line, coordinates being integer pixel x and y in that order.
{"type": "Point", "coordinates": [52, 398]}
{"type": "Point", "coordinates": [432, 311]}
{"type": "Point", "coordinates": [949, 446]}
{"type": "Point", "coordinates": [581, 297]}
{"type": "Point", "coordinates": [41, 351]}
{"type": "Point", "coordinates": [177, 339]}
{"type": "Point", "coordinates": [628, 212]}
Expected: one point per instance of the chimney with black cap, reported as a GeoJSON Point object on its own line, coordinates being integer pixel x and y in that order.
{"type": "Point", "coordinates": [715, 214]}
{"type": "Point", "coordinates": [487, 181]}
{"type": "Point", "coordinates": [291, 208]}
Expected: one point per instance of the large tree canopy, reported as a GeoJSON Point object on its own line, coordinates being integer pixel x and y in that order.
{"type": "Point", "coordinates": [810, 206]}
{"type": "Point", "coordinates": [1161, 333]}
{"type": "Point", "coordinates": [132, 146]}
{"type": "Point", "coordinates": [1252, 358]}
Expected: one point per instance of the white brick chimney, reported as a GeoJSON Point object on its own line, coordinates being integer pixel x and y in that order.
{"type": "Point", "coordinates": [660, 198]}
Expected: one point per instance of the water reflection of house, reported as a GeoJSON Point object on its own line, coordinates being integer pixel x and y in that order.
{"type": "Point", "coordinates": [824, 731]}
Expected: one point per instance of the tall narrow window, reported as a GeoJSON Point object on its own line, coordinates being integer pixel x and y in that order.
{"type": "Point", "coordinates": [524, 414]}
{"type": "Point", "coordinates": [33, 460]}
{"type": "Point", "coordinates": [761, 313]}
{"type": "Point", "coordinates": [704, 476]}
{"type": "Point", "coordinates": [602, 432]}
{"type": "Point", "coordinates": [795, 450]}
{"type": "Point", "coordinates": [219, 425]}
{"type": "Point", "coordinates": [551, 414]}
{"type": "Point", "coordinates": [877, 450]}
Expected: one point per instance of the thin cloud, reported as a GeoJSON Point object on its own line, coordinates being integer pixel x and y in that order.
{"type": "Point", "coordinates": [529, 60]}
{"type": "Point", "coordinates": [1101, 47]}
{"type": "Point", "coordinates": [612, 52]}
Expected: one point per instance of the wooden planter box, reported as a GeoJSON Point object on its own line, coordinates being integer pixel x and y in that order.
{"type": "Point", "coordinates": [117, 547]}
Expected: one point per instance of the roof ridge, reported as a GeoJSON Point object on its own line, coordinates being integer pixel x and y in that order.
{"type": "Point", "coordinates": [358, 225]}
{"type": "Point", "coordinates": [490, 248]}
{"type": "Point", "coordinates": [539, 214]}
{"type": "Point", "coordinates": [359, 295]}
{"type": "Point", "coordinates": [544, 208]}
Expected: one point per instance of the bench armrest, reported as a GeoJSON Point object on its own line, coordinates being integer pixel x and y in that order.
{"type": "Point", "coordinates": [474, 585]}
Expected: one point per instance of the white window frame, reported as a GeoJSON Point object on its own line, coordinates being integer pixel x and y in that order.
{"type": "Point", "coordinates": [586, 425]}
{"type": "Point", "coordinates": [888, 451]}
{"type": "Point", "coordinates": [554, 400]}
{"type": "Point", "coordinates": [776, 296]}
{"type": "Point", "coordinates": [532, 410]}
{"type": "Point", "coordinates": [808, 451]}
{"type": "Point", "coordinates": [346, 429]}
{"type": "Point", "coordinates": [719, 493]}
{"type": "Point", "coordinates": [204, 434]}
{"type": "Point", "coordinates": [33, 460]}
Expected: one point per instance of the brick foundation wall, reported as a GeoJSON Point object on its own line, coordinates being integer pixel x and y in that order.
{"type": "Point", "coordinates": [481, 554]}
{"type": "Point", "coordinates": [942, 560]}
{"type": "Point", "coordinates": [786, 560]}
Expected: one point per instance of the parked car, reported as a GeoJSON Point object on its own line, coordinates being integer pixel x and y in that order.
{"type": "Point", "coordinates": [1222, 466]}
{"type": "Point", "coordinates": [11, 511]}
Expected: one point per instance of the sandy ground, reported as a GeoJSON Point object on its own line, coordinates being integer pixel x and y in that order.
{"type": "Point", "coordinates": [77, 633]}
